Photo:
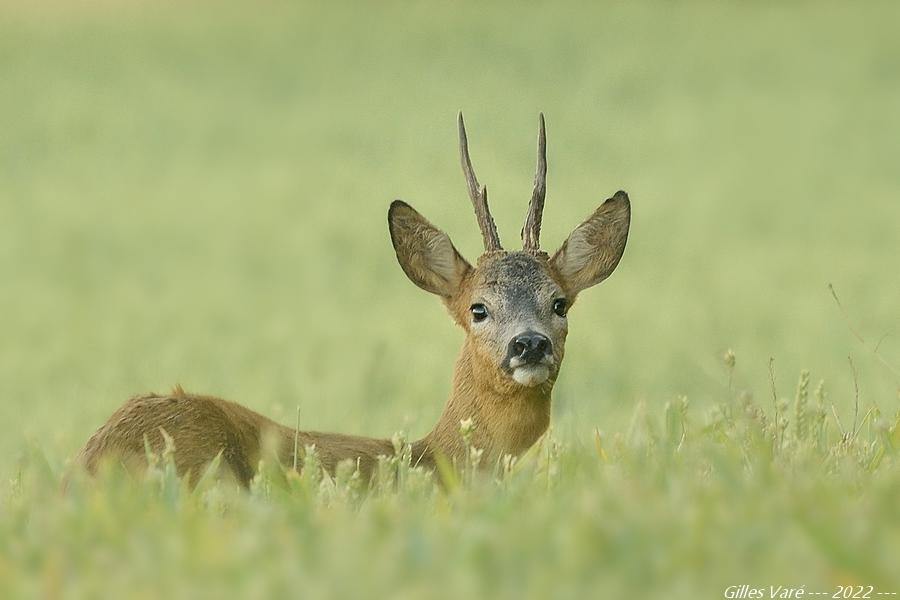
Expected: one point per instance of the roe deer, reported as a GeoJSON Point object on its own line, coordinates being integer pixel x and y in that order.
{"type": "Point", "coordinates": [512, 305]}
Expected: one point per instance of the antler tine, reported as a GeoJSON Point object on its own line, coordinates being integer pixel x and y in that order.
{"type": "Point", "coordinates": [531, 232]}
{"type": "Point", "coordinates": [477, 193]}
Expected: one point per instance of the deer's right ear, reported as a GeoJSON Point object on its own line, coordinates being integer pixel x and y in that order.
{"type": "Point", "coordinates": [425, 253]}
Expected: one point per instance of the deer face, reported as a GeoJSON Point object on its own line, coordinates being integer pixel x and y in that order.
{"type": "Point", "coordinates": [516, 315]}
{"type": "Point", "coordinates": [513, 305]}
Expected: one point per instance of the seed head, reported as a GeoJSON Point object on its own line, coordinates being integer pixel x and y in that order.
{"type": "Point", "coordinates": [729, 358]}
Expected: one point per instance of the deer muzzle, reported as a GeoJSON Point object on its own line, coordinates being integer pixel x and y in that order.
{"type": "Point", "coordinates": [530, 357]}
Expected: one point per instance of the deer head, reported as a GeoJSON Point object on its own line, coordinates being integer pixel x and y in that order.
{"type": "Point", "coordinates": [513, 304]}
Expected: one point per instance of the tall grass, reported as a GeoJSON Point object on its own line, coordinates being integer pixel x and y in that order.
{"type": "Point", "coordinates": [678, 505]}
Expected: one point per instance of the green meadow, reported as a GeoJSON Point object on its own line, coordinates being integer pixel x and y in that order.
{"type": "Point", "coordinates": [196, 194]}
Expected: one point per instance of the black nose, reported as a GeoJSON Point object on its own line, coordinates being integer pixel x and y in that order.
{"type": "Point", "coordinates": [530, 347]}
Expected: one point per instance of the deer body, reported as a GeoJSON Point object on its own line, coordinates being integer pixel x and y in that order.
{"type": "Point", "coordinates": [512, 305]}
{"type": "Point", "coordinates": [201, 427]}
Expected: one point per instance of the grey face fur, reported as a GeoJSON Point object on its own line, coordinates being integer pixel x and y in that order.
{"type": "Point", "coordinates": [519, 293]}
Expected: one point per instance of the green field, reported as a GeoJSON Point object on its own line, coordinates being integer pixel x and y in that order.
{"type": "Point", "coordinates": [197, 194]}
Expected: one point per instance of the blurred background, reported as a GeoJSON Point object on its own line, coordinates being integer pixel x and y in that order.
{"type": "Point", "coordinates": [196, 193]}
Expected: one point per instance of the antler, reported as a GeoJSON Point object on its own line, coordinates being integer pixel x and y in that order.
{"type": "Point", "coordinates": [477, 193]}
{"type": "Point", "coordinates": [531, 232]}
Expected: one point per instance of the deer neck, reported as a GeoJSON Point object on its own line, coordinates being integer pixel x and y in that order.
{"type": "Point", "coordinates": [508, 418]}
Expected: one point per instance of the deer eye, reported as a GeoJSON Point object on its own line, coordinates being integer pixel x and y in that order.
{"type": "Point", "coordinates": [560, 306]}
{"type": "Point", "coordinates": [479, 312]}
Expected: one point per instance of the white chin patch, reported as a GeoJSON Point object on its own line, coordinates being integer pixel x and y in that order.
{"type": "Point", "coordinates": [531, 375]}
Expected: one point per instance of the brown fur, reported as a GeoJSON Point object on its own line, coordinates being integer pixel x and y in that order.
{"type": "Point", "coordinates": [520, 287]}
{"type": "Point", "coordinates": [203, 426]}
{"type": "Point", "coordinates": [508, 419]}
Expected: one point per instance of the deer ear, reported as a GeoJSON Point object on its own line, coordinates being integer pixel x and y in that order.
{"type": "Point", "coordinates": [594, 249]}
{"type": "Point", "coordinates": [425, 253]}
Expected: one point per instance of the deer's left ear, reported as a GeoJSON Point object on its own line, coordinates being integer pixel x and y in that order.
{"type": "Point", "coordinates": [425, 253]}
{"type": "Point", "coordinates": [594, 249]}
